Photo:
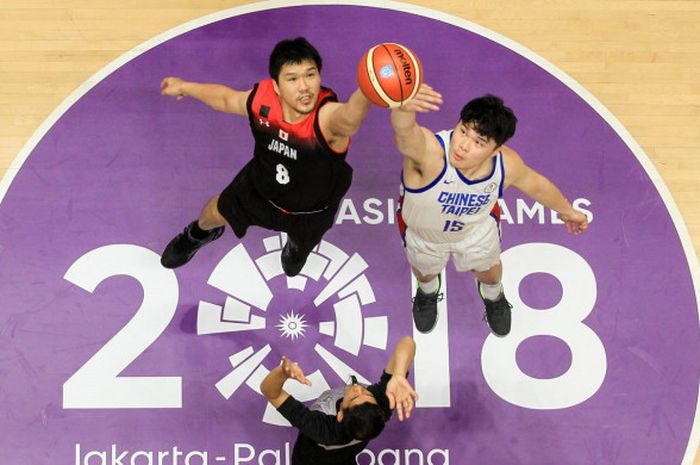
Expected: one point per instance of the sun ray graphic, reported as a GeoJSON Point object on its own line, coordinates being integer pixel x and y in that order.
{"type": "Point", "coordinates": [292, 325]}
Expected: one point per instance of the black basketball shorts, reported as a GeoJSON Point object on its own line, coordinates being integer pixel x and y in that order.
{"type": "Point", "coordinates": [243, 206]}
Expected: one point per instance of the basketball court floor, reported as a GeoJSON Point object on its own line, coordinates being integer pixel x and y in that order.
{"type": "Point", "coordinates": [107, 356]}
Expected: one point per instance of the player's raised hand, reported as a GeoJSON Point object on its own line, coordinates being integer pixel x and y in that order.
{"type": "Point", "coordinates": [292, 370]}
{"type": "Point", "coordinates": [173, 87]}
{"type": "Point", "coordinates": [401, 396]}
{"type": "Point", "coordinates": [426, 99]}
{"type": "Point", "coordinates": [575, 222]}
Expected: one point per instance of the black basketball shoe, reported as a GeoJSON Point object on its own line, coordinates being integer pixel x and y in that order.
{"type": "Point", "coordinates": [425, 310]}
{"type": "Point", "coordinates": [293, 259]}
{"type": "Point", "coordinates": [497, 314]}
{"type": "Point", "coordinates": [183, 247]}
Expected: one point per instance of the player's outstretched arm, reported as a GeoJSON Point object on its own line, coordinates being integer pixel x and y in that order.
{"type": "Point", "coordinates": [411, 139]}
{"type": "Point", "coordinates": [399, 391]}
{"type": "Point", "coordinates": [402, 357]}
{"type": "Point", "coordinates": [541, 189]}
{"type": "Point", "coordinates": [217, 96]}
{"type": "Point", "coordinates": [342, 120]}
{"type": "Point", "coordinates": [271, 386]}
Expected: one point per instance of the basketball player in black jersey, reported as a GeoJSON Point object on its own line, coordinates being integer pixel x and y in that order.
{"type": "Point", "coordinates": [298, 174]}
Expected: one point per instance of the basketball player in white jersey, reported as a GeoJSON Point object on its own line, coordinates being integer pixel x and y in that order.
{"type": "Point", "coordinates": [451, 183]}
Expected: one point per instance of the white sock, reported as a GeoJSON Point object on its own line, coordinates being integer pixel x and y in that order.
{"type": "Point", "coordinates": [431, 287]}
{"type": "Point", "coordinates": [490, 291]}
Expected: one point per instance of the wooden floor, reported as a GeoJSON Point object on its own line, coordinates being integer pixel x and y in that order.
{"type": "Point", "coordinates": [640, 58]}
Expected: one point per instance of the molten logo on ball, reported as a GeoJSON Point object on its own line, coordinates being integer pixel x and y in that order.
{"type": "Point", "coordinates": [405, 65]}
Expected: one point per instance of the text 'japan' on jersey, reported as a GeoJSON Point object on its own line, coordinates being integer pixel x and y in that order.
{"type": "Point", "coordinates": [294, 166]}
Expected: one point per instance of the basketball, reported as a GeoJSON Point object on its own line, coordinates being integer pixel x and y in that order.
{"type": "Point", "coordinates": [389, 74]}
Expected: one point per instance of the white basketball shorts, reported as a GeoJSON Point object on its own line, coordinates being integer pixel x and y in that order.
{"type": "Point", "coordinates": [479, 250]}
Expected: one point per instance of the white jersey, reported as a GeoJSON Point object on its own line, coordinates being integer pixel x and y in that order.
{"type": "Point", "coordinates": [451, 205]}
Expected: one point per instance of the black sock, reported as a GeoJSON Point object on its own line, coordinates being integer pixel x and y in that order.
{"type": "Point", "coordinates": [198, 233]}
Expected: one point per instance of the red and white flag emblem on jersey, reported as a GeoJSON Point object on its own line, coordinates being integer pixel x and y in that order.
{"type": "Point", "coordinates": [284, 135]}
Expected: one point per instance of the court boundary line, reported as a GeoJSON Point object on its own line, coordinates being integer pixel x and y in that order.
{"type": "Point", "coordinates": [563, 77]}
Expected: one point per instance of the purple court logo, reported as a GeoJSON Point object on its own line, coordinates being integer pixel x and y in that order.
{"type": "Point", "coordinates": [108, 358]}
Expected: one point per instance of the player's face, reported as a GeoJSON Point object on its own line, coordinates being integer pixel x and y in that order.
{"type": "Point", "coordinates": [356, 394]}
{"type": "Point", "coordinates": [298, 86]}
{"type": "Point", "coordinates": [468, 148]}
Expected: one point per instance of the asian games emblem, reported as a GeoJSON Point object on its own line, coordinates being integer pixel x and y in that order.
{"type": "Point", "coordinates": [248, 299]}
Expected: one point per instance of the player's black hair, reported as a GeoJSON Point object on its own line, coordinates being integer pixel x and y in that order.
{"type": "Point", "coordinates": [364, 422]}
{"type": "Point", "coordinates": [292, 51]}
{"type": "Point", "coordinates": [490, 117]}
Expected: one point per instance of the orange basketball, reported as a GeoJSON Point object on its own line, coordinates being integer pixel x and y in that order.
{"type": "Point", "coordinates": [389, 74]}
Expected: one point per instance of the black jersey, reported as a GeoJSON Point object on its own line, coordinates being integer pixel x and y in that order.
{"type": "Point", "coordinates": [294, 167]}
{"type": "Point", "coordinates": [322, 440]}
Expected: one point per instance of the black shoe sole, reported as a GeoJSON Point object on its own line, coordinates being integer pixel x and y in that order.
{"type": "Point", "coordinates": [415, 323]}
{"type": "Point", "coordinates": [172, 259]}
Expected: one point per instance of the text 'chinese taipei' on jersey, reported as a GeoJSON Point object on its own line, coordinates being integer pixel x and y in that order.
{"type": "Point", "coordinates": [293, 165]}
{"type": "Point", "coordinates": [445, 209]}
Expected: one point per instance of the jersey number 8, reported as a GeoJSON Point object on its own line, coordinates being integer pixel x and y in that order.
{"type": "Point", "coordinates": [282, 174]}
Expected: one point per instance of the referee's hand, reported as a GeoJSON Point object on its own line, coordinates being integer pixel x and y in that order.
{"type": "Point", "coordinates": [293, 370]}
